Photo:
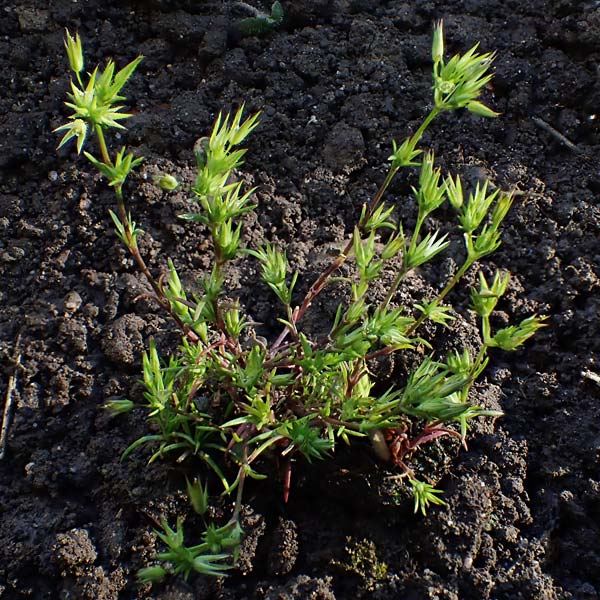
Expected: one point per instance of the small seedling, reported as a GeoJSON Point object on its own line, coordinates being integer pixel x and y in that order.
{"type": "Point", "coordinates": [260, 23]}
{"type": "Point", "coordinates": [230, 400]}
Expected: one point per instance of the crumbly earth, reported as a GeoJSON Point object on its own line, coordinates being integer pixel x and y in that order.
{"type": "Point", "coordinates": [335, 84]}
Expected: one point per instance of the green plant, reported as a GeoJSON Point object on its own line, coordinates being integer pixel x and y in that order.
{"type": "Point", "coordinates": [260, 23]}
{"type": "Point", "coordinates": [362, 560]}
{"type": "Point", "coordinates": [228, 399]}
{"type": "Point", "coordinates": [205, 558]}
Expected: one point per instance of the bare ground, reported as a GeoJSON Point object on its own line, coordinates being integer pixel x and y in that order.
{"type": "Point", "coordinates": [336, 83]}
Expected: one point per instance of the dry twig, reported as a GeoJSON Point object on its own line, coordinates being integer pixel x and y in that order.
{"type": "Point", "coordinates": [557, 134]}
{"type": "Point", "coordinates": [9, 400]}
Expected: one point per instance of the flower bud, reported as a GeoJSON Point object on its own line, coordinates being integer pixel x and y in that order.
{"type": "Point", "coordinates": [481, 109]}
{"type": "Point", "coordinates": [454, 191]}
{"type": "Point", "coordinates": [118, 407]}
{"type": "Point", "coordinates": [446, 87]}
{"type": "Point", "coordinates": [437, 48]}
{"type": "Point", "coordinates": [74, 52]}
{"type": "Point", "coordinates": [166, 182]}
{"type": "Point", "coordinates": [501, 209]}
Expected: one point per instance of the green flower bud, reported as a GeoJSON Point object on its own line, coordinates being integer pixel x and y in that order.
{"type": "Point", "coordinates": [74, 52]}
{"type": "Point", "coordinates": [454, 191]}
{"type": "Point", "coordinates": [446, 87]}
{"type": "Point", "coordinates": [166, 182]}
{"type": "Point", "coordinates": [501, 209]}
{"type": "Point", "coordinates": [437, 48]}
{"type": "Point", "coordinates": [481, 109]}
{"type": "Point", "coordinates": [118, 407]}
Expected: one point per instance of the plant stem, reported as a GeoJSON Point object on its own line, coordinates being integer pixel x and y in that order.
{"type": "Point", "coordinates": [417, 135]}
{"type": "Point", "coordinates": [449, 286]}
{"type": "Point", "coordinates": [485, 330]}
{"type": "Point", "coordinates": [240, 489]}
{"type": "Point", "coordinates": [135, 253]}
{"type": "Point", "coordinates": [102, 144]}
{"type": "Point", "coordinates": [394, 288]}
{"type": "Point", "coordinates": [478, 360]}
{"type": "Point", "coordinates": [381, 352]}
{"type": "Point", "coordinates": [322, 280]}
{"type": "Point", "coordinates": [132, 246]}
{"type": "Point", "coordinates": [400, 276]}
{"type": "Point", "coordinates": [415, 236]}
{"type": "Point", "coordinates": [377, 198]}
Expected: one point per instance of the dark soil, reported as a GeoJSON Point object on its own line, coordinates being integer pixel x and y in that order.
{"type": "Point", "coordinates": [336, 83]}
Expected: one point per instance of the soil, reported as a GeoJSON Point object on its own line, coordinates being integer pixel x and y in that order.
{"type": "Point", "coordinates": [335, 83]}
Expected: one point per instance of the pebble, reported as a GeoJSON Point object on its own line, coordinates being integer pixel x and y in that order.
{"type": "Point", "coordinates": [32, 19]}
{"type": "Point", "coordinates": [72, 301]}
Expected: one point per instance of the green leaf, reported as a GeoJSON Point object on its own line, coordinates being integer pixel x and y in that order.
{"type": "Point", "coordinates": [124, 74]}
{"type": "Point", "coordinates": [277, 12]}
{"type": "Point", "coordinates": [117, 173]}
{"type": "Point", "coordinates": [437, 313]}
{"type": "Point", "coordinates": [76, 129]}
{"type": "Point", "coordinates": [146, 439]}
{"type": "Point", "coordinates": [96, 105]}
{"type": "Point", "coordinates": [379, 219]}
{"type": "Point", "coordinates": [425, 250]}
{"type": "Point", "coordinates": [305, 438]}
{"type": "Point", "coordinates": [477, 207]}
{"type": "Point", "coordinates": [430, 194]}
{"type": "Point", "coordinates": [404, 155]}
{"type": "Point", "coordinates": [510, 338]}
{"type": "Point", "coordinates": [429, 393]}
{"type": "Point", "coordinates": [198, 495]}
{"type": "Point", "coordinates": [186, 559]}
{"type": "Point", "coordinates": [119, 407]}
{"type": "Point", "coordinates": [425, 494]}
{"type": "Point", "coordinates": [454, 191]}
{"type": "Point", "coordinates": [458, 82]}
{"type": "Point", "coordinates": [154, 574]}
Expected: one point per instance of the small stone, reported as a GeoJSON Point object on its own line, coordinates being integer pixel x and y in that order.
{"type": "Point", "coordinates": [284, 551]}
{"type": "Point", "coordinates": [122, 340]}
{"type": "Point", "coordinates": [344, 148]}
{"type": "Point", "coordinates": [32, 19]}
{"type": "Point", "coordinates": [73, 549]}
{"type": "Point", "coordinates": [72, 301]}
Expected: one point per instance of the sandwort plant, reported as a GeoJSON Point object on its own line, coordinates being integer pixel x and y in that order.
{"type": "Point", "coordinates": [228, 400]}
